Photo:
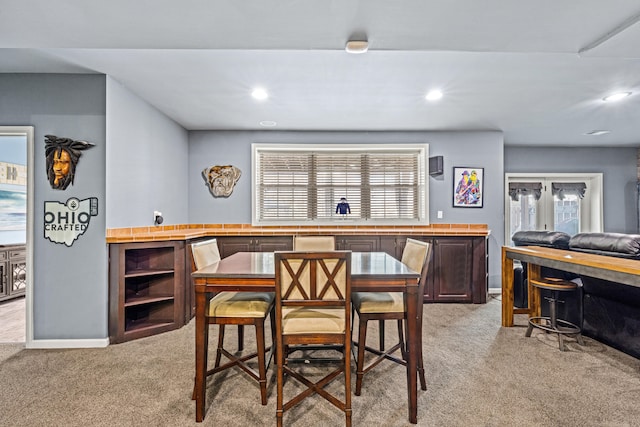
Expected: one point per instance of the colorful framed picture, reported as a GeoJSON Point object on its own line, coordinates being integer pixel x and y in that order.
{"type": "Point", "coordinates": [468, 187]}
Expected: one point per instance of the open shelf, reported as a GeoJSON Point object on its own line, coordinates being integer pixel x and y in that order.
{"type": "Point", "coordinates": [147, 289]}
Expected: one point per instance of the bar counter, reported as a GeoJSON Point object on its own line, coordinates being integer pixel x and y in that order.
{"type": "Point", "coordinates": [194, 231]}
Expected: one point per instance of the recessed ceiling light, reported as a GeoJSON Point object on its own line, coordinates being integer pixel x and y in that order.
{"type": "Point", "coordinates": [433, 95]}
{"type": "Point", "coordinates": [268, 123]}
{"type": "Point", "coordinates": [260, 94]}
{"type": "Point", "coordinates": [598, 132]}
{"type": "Point", "coordinates": [616, 96]}
{"type": "Point", "coordinates": [357, 46]}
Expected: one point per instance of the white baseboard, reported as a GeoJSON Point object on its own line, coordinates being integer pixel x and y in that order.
{"type": "Point", "coordinates": [495, 291]}
{"type": "Point", "coordinates": [88, 343]}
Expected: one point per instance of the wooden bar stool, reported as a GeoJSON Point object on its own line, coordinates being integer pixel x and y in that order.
{"type": "Point", "coordinates": [551, 323]}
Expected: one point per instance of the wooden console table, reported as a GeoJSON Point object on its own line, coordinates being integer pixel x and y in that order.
{"type": "Point", "coordinates": [618, 270]}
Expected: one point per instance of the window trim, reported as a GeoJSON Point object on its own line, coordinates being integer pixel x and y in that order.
{"type": "Point", "coordinates": [423, 167]}
{"type": "Point", "coordinates": [592, 219]}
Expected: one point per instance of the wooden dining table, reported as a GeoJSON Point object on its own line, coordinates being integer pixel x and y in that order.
{"type": "Point", "coordinates": [255, 272]}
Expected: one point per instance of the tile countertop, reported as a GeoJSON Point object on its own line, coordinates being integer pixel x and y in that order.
{"type": "Point", "coordinates": [193, 231]}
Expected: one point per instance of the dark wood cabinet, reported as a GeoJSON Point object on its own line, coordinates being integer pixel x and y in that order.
{"type": "Point", "coordinates": [393, 245]}
{"type": "Point", "coordinates": [146, 294]}
{"type": "Point", "coordinates": [452, 266]}
{"type": "Point", "coordinates": [229, 245]}
{"type": "Point", "coordinates": [458, 269]}
{"type": "Point", "coordinates": [13, 271]}
{"type": "Point", "coordinates": [151, 290]}
{"type": "Point", "coordinates": [358, 243]}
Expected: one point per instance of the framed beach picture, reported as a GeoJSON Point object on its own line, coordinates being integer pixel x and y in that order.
{"type": "Point", "coordinates": [468, 187]}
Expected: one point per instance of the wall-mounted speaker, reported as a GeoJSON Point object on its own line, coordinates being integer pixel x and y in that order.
{"type": "Point", "coordinates": [436, 165]}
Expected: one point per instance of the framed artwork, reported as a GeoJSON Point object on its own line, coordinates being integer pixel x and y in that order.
{"type": "Point", "coordinates": [468, 187]}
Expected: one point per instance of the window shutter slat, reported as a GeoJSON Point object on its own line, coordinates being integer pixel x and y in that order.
{"type": "Point", "coordinates": [305, 184]}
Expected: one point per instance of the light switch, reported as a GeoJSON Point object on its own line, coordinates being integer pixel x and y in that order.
{"type": "Point", "coordinates": [440, 215]}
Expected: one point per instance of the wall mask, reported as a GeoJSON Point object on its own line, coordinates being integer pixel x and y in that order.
{"type": "Point", "coordinates": [221, 179]}
{"type": "Point", "coordinates": [62, 156]}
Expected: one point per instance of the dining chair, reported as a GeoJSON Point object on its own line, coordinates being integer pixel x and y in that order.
{"type": "Point", "coordinates": [312, 306]}
{"type": "Point", "coordinates": [314, 243]}
{"type": "Point", "coordinates": [383, 306]}
{"type": "Point", "coordinates": [236, 308]}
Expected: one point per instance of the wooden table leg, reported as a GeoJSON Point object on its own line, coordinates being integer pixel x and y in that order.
{"type": "Point", "coordinates": [533, 273]}
{"type": "Point", "coordinates": [202, 338]}
{"type": "Point", "coordinates": [413, 340]}
{"type": "Point", "coordinates": [507, 289]}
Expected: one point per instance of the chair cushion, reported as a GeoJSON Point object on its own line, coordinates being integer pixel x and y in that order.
{"type": "Point", "coordinates": [378, 302]}
{"type": "Point", "coordinates": [241, 304]}
{"type": "Point", "coordinates": [306, 320]}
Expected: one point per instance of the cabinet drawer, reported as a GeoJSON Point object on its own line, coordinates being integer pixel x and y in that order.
{"type": "Point", "coordinates": [16, 254]}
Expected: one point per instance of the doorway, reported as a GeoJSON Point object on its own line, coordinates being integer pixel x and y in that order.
{"type": "Point", "coordinates": [16, 233]}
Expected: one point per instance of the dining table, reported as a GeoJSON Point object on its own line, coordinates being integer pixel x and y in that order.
{"type": "Point", "coordinates": [255, 272]}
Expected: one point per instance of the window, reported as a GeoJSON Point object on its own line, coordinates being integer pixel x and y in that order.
{"type": "Point", "coordinates": [296, 184]}
{"type": "Point", "coordinates": [571, 203]}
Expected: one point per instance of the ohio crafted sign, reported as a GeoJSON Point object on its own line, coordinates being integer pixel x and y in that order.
{"type": "Point", "coordinates": [65, 222]}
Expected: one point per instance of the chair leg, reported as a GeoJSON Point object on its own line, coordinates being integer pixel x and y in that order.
{"type": "Point", "coordinates": [381, 334]}
{"type": "Point", "coordinates": [403, 346]}
{"type": "Point", "coordinates": [347, 384]}
{"type": "Point", "coordinates": [362, 342]}
{"type": "Point", "coordinates": [220, 345]}
{"type": "Point", "coordinates": [240, 337]}
{"type": "Point", "coordinates": [262, 365]}
{"type": "Point", "coordinates": [423, 379]}
{"type": "Point", "coordinates": [279, 380]}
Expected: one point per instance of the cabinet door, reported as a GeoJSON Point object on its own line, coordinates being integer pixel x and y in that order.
{"type": "Point", "coordinates": [17, 276]}
{"type": "Point", "coordinates": [358, 243]}
{"type": "Point", "coordinates": [230, 245]}
{"type": "Point", "coordinates": [393, 245]}
{"type": "Point", "coordinates": [452, 268]}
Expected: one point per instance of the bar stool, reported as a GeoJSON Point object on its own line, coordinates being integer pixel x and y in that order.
{"type": "Point", "coordinates": [551, 323]}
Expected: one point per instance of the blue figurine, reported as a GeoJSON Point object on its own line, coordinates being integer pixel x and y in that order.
{"type": "Point", "coordinates": [343, 207]}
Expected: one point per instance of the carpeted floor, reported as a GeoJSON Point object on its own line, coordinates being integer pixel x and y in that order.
{"type": "Point", "coordinates": [479, 374]}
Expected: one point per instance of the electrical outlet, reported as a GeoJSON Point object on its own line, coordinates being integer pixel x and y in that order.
{"type": "Point", "coordinates": [440, 215]}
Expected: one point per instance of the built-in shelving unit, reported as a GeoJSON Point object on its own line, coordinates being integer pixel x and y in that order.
{"type": "Point", "coordinates": [147, 289]}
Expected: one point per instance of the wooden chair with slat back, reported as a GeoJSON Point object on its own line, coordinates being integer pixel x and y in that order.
{"type": "Point", "coordinates": [313, 299]}
{"type": "Point", "coordinates": [314, 243]}
{"type": "Point", "coordinates": [383, 306]}
{"type": "Point", "coordinates": [236, 308]}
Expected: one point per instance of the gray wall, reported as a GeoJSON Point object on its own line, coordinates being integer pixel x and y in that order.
{"type": "Point", "coordinates": [618, 166]}
{"type": "Point", "coordinates": [476, 149]}
{"type": "Point", "coordinates": [69, 283]}
{"type": "Point", "coordinates": [148, 159]}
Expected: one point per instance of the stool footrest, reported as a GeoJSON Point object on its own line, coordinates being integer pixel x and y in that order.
{"type": "Point", "coordinates": [554, 284]}
{"type": "Point", "coordinates": [563, 327]}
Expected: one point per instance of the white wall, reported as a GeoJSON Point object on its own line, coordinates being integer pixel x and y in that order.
{"type": "Point", "coordinates": [69, 292]}
{"type": "Point", "coordinates": [618, 166]}
{"type": "Point", "coordinates": [473, 149]}
{"type": "Point", "coordinates": [148, 162]}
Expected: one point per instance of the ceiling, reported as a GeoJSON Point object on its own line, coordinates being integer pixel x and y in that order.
{"type": "Point", "coordinates": [536, 70]}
